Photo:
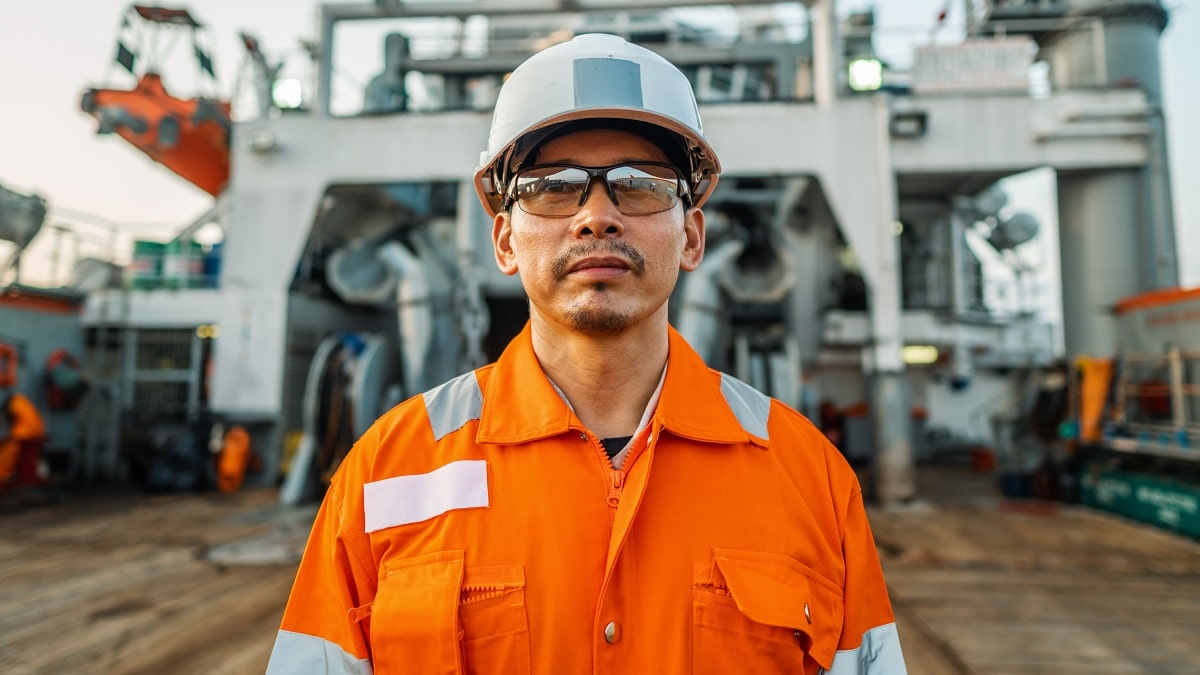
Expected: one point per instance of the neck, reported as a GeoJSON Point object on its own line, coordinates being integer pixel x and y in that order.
{"type": "Point", "coordinates": [608, 379]}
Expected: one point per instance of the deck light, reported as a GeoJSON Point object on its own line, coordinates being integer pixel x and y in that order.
{"type": "Point", "coordinates": [866, 74]}
{"type": "Point", "coordinates": [287, 94]}
{"type": "Point", "coordinates": [919, 355]}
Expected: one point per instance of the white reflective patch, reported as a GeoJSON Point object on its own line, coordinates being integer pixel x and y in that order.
{"type": "Point", "coordinates": [453, 404]}
{"type": "Point", "coordinates": [607, 83]}
{"type": "Point", "coordinates": [751, 407]}
{"type": "Point", "coordinates": [299, 654]}
{"type": "Point", "coordinates": [411, 499]}
{"type": "Point", "coordinates": [879, 654]}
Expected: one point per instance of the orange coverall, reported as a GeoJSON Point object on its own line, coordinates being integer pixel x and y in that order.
{"type": "Point", "coordinates": [25, 427]}
{"type": "Point", "coordinates": [480, 528]}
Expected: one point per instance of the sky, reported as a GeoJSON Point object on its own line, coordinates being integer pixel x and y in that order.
{"type": "Point", "coordinates": [51, 51]}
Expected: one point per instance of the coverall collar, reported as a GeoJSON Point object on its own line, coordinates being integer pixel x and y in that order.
{"type": "Point", "coordinates": [519, 407]}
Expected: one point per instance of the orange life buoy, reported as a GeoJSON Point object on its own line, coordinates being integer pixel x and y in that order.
{"type": "Point", "coordinates": [8, 365]}
{"type": "Point", "coordinates": [65, 381]}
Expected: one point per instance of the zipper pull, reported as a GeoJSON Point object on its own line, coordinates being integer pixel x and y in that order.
{"type": "Point", "coordinates": [614, 491]}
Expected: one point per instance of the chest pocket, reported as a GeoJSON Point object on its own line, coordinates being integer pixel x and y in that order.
{"type": "Point", "coordinates": [763, 613]}
{"type": "Point", "coordinates": [432, 615]}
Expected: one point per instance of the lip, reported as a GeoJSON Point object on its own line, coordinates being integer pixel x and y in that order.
{"type": "Point", "coordinates": [599, 266]}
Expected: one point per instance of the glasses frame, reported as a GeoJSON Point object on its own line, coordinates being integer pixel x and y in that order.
{"type": "Point", "coordinates": [595, 173]}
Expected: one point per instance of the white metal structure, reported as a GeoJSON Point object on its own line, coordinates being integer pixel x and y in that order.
{"type": "Point", "coordinates": [838, 227]}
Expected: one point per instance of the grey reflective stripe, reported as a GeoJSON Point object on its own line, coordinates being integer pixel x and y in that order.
{"type": "Point", "coordinates": [604, 83]}
{"type": "Point", "coordinates": [879, 654]}
{"type": "Point", "coordinates": [300, 654]}
{"type": "Point", "coordinates": [453, 404]}
{"type": "Point", "coordinates": [749, 405]}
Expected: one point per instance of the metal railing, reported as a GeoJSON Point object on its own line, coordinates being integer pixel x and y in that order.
{"type": "Point", "coordinates": [483, 50]}
{"type": "Point", "coordinates": [1156, 404]}
{"type": "Point", "coordinates": [72, 253]}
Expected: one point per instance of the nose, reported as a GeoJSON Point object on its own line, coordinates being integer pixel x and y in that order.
{"type": "Point", "coordinates": [598, 217]}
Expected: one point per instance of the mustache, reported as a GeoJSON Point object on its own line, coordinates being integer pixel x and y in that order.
{"type": "Point", "coordinates": [636, 260]}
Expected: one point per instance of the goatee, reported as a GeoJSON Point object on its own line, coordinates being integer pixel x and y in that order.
{"type": "Point", "coordinates": [595, 320]}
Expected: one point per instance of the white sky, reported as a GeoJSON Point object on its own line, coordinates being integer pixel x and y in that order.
{"type": "Point", "coordinates": [51, 51]}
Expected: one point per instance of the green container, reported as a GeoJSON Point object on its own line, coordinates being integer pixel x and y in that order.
{"type": "Point", "coordinates": [145, 267]}
{"type": "Point", "coordinates": [183, 264]}
{"type": "Point", "coordinates": [1164, 502]}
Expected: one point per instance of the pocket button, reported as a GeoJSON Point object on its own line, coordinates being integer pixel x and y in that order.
{"type": "Point", "coordinates": [612, 632]}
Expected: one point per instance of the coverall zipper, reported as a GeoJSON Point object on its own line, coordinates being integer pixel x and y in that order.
{"type": "Point", "coordinates": [614, 489]}
{"type": "Point", "coordinates": [616, 477]}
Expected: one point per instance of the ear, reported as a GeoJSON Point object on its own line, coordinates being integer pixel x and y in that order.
{"type": "Point", "coordinates": [693, 242]}
{"type": "Point", "coordinates": [506, 257]}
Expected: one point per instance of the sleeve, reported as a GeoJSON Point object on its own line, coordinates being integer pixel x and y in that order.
{"type": "Point", "coordinates": [869, 644]}
{"type": "Point", "coordinates": [325, 626]}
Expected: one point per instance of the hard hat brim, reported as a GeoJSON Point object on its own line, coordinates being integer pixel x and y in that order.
{"type": "Point", "coordinates": [704, 170]}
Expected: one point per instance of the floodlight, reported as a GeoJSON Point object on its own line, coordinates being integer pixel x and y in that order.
{"type": "Point", "coordinates": [866, 74]}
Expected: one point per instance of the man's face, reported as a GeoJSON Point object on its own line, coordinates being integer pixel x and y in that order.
{"type": "Point", "coordinates": [599, 271]}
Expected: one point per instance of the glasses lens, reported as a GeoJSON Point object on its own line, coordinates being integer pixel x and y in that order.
{"type": "Point", "coordinates": [642, 189]}
{"type": "Point", "coordinates": [550, 190]}
{"type": "Point", "coordinates": [636, 189]}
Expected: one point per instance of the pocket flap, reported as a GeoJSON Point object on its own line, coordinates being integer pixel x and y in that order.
{"type": "Point", "coordinates": [777, 590]}
{"type": "Point", "coordinates": [414, 620]}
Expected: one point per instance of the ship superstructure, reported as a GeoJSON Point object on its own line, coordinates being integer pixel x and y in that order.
{"type": "Point", "coordinates": [842, 268]}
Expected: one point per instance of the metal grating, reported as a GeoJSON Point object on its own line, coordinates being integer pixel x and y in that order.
{"type": "Point", "coordinates": [163, 371]}
{"type": "Point", "coordinates": [164, 349]}
{"type": "Point", "coordinates": [301, 346]}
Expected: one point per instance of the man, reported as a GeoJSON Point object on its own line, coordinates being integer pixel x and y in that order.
{"type": "Point", "coordinates": [21, 446]}
{"type": "Point", "coordinates": [598, 500]}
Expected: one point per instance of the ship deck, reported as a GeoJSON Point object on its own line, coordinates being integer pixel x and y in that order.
{"type": "Point", "coordinates": [129, 583]}
{"type": "Point", "coordinates": [992, 586]}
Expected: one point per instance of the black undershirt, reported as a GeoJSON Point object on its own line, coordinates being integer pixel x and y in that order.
{"type": "Point", "coordinates": [614, 445]}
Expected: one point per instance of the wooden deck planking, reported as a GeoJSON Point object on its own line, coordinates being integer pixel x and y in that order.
{"type": "Point", "coordinates": [119, 584]}
{"type": "Point", "coordinates": [1026, 587]}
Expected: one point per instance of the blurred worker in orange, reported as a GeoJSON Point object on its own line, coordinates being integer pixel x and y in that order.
{"type": "Point", "coordinates": [26, 433]}
{"type": "Point", "coordinates": [598, 500]}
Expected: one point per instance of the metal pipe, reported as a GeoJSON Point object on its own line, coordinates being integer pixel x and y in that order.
{"type": "Point", "coordinates": [823, 27]}
{"type": "Point", "coordinates": [436, 8]}
{"type": "Point", "coordinates": [700, 316]}
{"type": "Point", "coordinates": [896, 474]}
{"type": "Point", "coordinates": [1178, 402]}
{"type": "Point", "coordinates": [895, 470]}
{"type": "Point", "coordinates": [326, 16]}
{"type": "Point", "coordinates": [958, 295]}
{"type": "Point", "coordinates": [415, 313]}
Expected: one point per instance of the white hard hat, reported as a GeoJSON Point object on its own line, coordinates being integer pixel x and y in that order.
{"type": "Point", "coordinates": [593, 77]}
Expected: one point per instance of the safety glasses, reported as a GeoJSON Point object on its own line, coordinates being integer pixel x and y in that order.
{"type": "Point", "coordinates": [560, 190]}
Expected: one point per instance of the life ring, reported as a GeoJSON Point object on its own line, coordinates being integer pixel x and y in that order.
{"type": "Point", "coordinates": [65, 381]}
{"type": "Point", "coordinates": [8, 365]}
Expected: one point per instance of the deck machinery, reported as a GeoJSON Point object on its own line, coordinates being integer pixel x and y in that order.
{"type": "Point", "coordinates": [843, 267]}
